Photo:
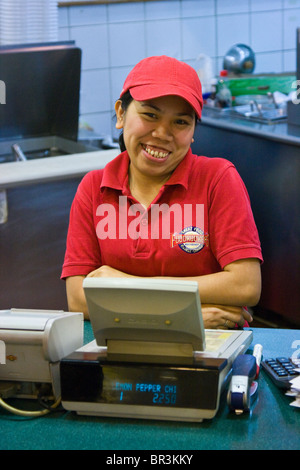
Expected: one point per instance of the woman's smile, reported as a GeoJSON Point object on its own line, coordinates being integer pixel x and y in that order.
{"type": "Point", "coordinates": [155, 154]}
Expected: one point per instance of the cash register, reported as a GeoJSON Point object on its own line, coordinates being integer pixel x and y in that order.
{"type": "Point", "coordinates": [151, 357]}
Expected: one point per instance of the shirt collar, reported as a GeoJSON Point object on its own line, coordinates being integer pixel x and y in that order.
{"type": "Point", "coordinates": [115, 174]}
{"type": "Point", "coordinates": [181, 173]}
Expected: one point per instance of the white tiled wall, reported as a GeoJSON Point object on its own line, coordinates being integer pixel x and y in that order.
{"type": "Point", "coordinates": [113, 38]}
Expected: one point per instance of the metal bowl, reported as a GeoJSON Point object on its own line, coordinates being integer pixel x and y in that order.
{"type": "Point", "coordinates": [239, 59]}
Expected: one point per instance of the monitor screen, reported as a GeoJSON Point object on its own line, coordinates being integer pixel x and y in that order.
{"type": "Point", "coordinates": [42, 84]}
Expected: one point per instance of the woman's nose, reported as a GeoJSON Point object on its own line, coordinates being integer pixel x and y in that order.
{"type": "Point", "coordinates": [163, 131]}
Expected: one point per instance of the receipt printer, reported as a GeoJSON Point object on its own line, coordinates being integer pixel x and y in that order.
{"type": "Point", "coordinates": [32, 342]}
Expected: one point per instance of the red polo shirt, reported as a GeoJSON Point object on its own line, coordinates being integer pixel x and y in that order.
{"type": "Point", "coordinates": [200, 221]}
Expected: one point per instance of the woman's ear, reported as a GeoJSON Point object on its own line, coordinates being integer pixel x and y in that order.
{"type": "Point", "coordinates": [120, 114]}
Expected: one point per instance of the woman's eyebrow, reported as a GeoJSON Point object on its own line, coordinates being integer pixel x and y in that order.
{"type": "Point", "coordinates": [150, 105]}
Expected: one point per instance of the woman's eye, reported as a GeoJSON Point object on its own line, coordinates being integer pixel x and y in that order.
{"type": "Point", "coordinates": [182, 122]}
{"type": "Point", "coordinates": [150, 115]}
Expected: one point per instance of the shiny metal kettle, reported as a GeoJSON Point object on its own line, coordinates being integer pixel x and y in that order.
{"type": "Point", "coordinates": [239, 59]}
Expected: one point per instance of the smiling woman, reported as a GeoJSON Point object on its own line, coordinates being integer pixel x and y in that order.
{"type": "Point", "coordinates": [157, 110]}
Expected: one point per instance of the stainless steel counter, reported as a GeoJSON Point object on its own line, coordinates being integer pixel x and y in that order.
{"type": "Point", "coordinates": [224, 119]}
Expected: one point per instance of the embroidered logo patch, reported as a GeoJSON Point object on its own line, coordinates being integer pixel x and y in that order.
{"type": "Point", "coordinates": [190, 239]}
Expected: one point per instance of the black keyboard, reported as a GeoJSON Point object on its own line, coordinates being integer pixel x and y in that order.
{"type": "Point", "coordinates": [281, 370]}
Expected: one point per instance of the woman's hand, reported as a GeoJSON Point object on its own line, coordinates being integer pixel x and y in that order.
{"type": "Point", "coordinates": [108, 271]}
{"type": "Point", "coordinates": [224, 316]}
{"type": "Point", "coordinates": [75, 293]}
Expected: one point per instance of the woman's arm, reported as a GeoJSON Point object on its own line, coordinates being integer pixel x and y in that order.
{"type": "Point", "coordinates": [222, 294]}
{"type": "Point", "coordinates": [75, 295]}
{"type": "Point", "coordinates": [238, 284]}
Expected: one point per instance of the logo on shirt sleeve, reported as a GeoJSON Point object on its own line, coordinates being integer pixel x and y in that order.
{"type": "Point", "coordinates": [190, 239]}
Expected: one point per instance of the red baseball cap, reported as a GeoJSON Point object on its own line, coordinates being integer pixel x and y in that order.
{"type": "Point", "coordinates": [158, 76]}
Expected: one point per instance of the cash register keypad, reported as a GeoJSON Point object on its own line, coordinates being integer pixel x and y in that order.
{"type": "Point", "coordinates": [281, 370]}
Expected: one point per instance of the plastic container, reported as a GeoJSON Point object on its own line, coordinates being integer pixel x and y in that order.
{"type": "Point", "coordinates": [204, 71]}
{"type": "Point", "coordinates": [223, 96]}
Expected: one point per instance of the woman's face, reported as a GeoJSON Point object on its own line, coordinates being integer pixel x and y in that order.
{"type": "Point", "coordinates": [157, 134]}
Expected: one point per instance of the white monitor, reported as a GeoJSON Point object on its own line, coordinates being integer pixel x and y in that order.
{"type": "Point", "coordinates": [142, 317]}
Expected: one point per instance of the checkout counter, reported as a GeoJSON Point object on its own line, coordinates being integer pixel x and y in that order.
{"type": "Point", "coordinates": [190, 389]}
{"type": "Point", "coordinates": [272, 424]}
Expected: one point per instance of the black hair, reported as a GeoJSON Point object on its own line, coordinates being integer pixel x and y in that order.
{"type": "Point", "coordinates": [125, 102]}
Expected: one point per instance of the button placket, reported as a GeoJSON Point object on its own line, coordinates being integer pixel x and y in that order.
{"type": "Point", "coordinates": [142, 244]}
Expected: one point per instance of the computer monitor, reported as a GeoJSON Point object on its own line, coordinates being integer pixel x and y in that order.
{"type": "Point", "coordinates": [160, 317]}
{"type": "Point", "coordinates": [42, 85]}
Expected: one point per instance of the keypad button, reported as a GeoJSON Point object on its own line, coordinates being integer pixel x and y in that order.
{"type": "Point", "coordinates": [282, 359]}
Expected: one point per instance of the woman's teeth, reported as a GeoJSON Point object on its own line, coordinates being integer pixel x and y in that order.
{"type": "Point", "coordinates": [156, 153]}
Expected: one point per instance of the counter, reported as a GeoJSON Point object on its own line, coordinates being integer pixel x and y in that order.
{"type": "Point", "coordinates": [280, 131]}
{"type": "Point", "coordinates": [32, 242]}
{"type": "Point", "coordinates": [16, 174]}
{"type": "Point", "coordinates": [272, 423]}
